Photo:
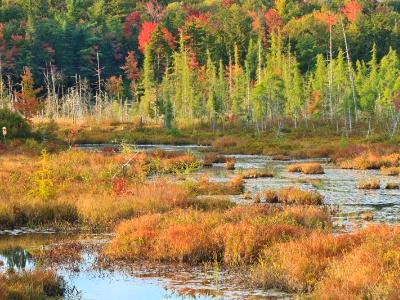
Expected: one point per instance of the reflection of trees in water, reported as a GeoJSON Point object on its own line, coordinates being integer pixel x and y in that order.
{"type": "Point", "coordinates": [16, 258]}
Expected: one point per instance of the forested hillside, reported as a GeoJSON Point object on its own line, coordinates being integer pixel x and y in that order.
{"type": "Point", "coordinates": [259, 62]}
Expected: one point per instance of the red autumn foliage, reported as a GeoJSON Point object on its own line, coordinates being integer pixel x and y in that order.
{"type": "Point", "coordinates": [169, 38]}
{"type": "Point", "coordinates": [256, 24]}
{"type": "Point", "coordinates": [27, 102]}
{"type": "Point", "coordinates": [273, 20]}
{"type": "Point", "coordinates": [327, 18]}
{"type": "Point", "coordinates": [131, 68]}
{"type": "Point", "coordinates": [193, 62]}
{"type": "Point", "coordinates": [352, 9]}
{"type": "Point", "coordinates": [7, 52]}
{"type": "Point", "coordinates": [17, 38]}
{"type": "Point", "coordinates": [145, 34]}
{"type": "Point", "coordinates": [228, 3]}
{"type": "Point", "coordinates": [119, 186]}
{"type": "Point", "coordinates": [115, 85]}
{"type": "Point", "coordinates": [154, 10]}
{"type": "Point", "coordinates": [199, 19]}
{"type": "Point", "coordinates": [132, 20]}
{"type": "Point", "coordinates": [314, 103]}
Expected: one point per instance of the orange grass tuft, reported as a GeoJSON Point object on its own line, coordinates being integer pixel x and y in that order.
{"type": "Point", "coordinates": [235, 236]}
{"type": "Point", "coordinates": [371, 184]}
{"type": "Point", "coordinates": [256, 173]}
{"type": "Point", "coordinates": [390, 171]}
{"type": "Point", "coordinates": [206, 187]}
{"type": "Point", "coordinates": [369, 160]}
{"type": "Point", "coordinates": [370, 271]}
{"type": "Point", "coordinates": [306, 168]}
{"type": "Point", "coordinates": [299, 264]}
{"type": "Point", "coordinates": [293, 195]}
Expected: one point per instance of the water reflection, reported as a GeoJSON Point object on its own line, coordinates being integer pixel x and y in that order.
{"type": "Point", "coordinates": [15, 259]}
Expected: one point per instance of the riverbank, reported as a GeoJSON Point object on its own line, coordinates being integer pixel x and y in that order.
{"type": "Point", "coordinates": [302, 142]}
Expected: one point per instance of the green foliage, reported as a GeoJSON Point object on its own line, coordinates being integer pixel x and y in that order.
{"type": "Point", "coordinates": [259, 63]}
{"type": "Point", "coordinates": [16, 125]}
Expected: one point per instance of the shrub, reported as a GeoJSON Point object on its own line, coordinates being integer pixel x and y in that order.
{"type": "Point", "coordinates": [16, 125]}
{"type": "Point", "coordinates": [230, 164]}
{"type": "Point", "coordinates": [213, 158]}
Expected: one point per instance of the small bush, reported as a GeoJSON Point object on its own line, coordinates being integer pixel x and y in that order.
{"type": "Point", "coordinates": [213, 158]}
{"type": "Point", "coordinates": [230, 164]}
{"type": "Point", "coordinates": [16, 125]}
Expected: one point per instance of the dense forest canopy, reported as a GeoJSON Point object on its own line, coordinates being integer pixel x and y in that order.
{"type": "Point", "coordinates": [262, 62]}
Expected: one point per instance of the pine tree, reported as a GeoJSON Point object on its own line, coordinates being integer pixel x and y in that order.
{"type": "Point", "coordinates": [389, 85]}
{"type": "Point", "coordinates": [367, 82]}
{"type": "Point", "coordinates": [293, 91]}
{"type": "Point", "coordinates": [320, 90]}
{"type": "Point", "coordinates": [211, 82]}
{"type": "Point", "coordinates": [239, 86]}
{"type": "Point", "coordinates": [147, 107]}
{"type": "Point", "coordinates": [27, 102]}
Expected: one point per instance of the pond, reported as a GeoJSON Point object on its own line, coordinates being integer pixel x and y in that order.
{"type": "Point", "coordinates": [87, 281]}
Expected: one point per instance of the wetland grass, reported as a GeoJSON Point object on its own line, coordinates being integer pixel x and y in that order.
{"type": "Point", "coordinates": [327, 266]}
{"type": "Point", "coordinates": [390, 171]}
{"type": "Point", "coordinates": [75, 187]}
{"type": "Point", "coordinates": [392, 186]}
{"type": "Point", "coordinates": [293, 195]}
{"type": "Point", "coordinates": [371, 161]}
{"type": "Point", "coordinates": [204, 186]}
{"type": "Point", "coordinates": [306, 168]}
{"type": "Point", "coordinates": [235, 236]}
{"type": "Point", "coordinates": [30, 285]}
{"type": "Point", "coordinates": [369, 184]}
{"type": "Point", "coordinates": [256, 173]}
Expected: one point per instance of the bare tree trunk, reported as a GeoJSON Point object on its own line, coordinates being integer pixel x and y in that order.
{"type": "Point", "coordinates": [351, 77]}
{"type": "Point", "coordinates": [330, 73]}
{"type": "Point", "coordinates": [1, 85]}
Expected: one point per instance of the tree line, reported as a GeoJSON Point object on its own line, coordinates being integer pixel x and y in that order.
{"type": "Point", "coordinates": [260, 63]}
